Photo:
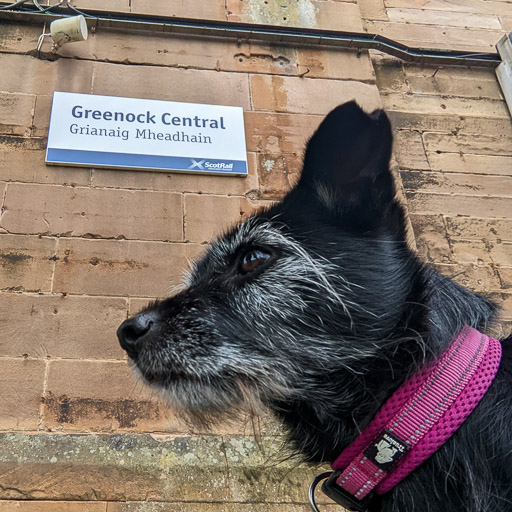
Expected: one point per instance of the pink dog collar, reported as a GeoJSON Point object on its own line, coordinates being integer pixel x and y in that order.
{"type": "Point", "coordinates": [416, 420]}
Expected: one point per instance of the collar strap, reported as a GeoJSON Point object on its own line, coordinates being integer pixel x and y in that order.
{"type": "Point", "coordinates": [416, 420]}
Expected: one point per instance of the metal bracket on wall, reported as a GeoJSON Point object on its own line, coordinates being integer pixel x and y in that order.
{"type": "Point", "coordinates": [504, 69]}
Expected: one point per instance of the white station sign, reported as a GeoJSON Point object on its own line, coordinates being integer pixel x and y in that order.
{"type": "Point", "coordinates": [108, 131]}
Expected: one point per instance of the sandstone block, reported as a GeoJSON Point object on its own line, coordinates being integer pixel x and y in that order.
{"type": "Point", "coordinates": [102, 5]}
{"type": "Point", "coordinates": [458, 73]}
{"type": "Point", "coordinates": [409, 150]}
{"type": "Point", "coordinates": [288, 94]}
{"type": "Point", "coordinates": [195, 86]}
{"type": "Point", "coordinates": [454, 87]}
{"type": "Point", "coordinates": [501, 253]}
{"type": "Point", "coordinates": [457, 183]}
{"type": "Point", "coordinates": [504, 329]}
{"type": "Point", "coordinates": [26, 263]}
{"type": "Point", "coordinates": [479, 229]}
{"type": "Point", "coordinates": [505, 277]}
{"type": "Point", "coordinates": [304, 13]}
{"type": "Point", "coordinates": [428, 35]}
{"type": "Point", "coordinates": [22, 159]}
{"type": "Point", "coordinates": [92, 212]}
{"type": "Point", "coordinates": [506, 23]}
{"type": "Point", "coordinates": [479, 278]}
{"type": "Point", "coordinates": [21, 388]}
{"type": "Point", "coordinates": [28, 75]}
{"type": "Point", "coordinates": [279, 133]}
{"type": "Point", "coordinates": [121, 268]}
{"type": "Point", "coordinates": [16, 111]}
{"type": "Point", "coordinates": [390, 76]}
{"type": "Point", "coordinates": [373, 10]}
{"type": "Point", "coordinates": [3, 188]}
{"type": "Point", "coordinates": [181, 51]}
{"type": "Point", "coordinates": [431, 238]}
{"type": "Point", "coordinates": [60, 326]}
{"type": "Point", "coordinates": [135, 305]}
{"type": "Point", "coordinates": [469, 163]}
{"type": "Point", "coordinates": [18, 37]}
{"type": "Point", "coordinates": [450, 123]}
{"type": "Point", "coordinates": [52, 506]}
{"type": "Point", "coordinates": [485, 144]}
{"type": "Point", "coordinates": [471, 252]}
{"type": "Point", "coordinates": [338, 16]}
{"type": "Point", "coordinates": [102, 396]}
{"type": "Point", "coordinates": [41, 121]}
{"type": "Point", "coordinates": [278, 173]}
{"type": "Point", "coordinates": [468, 6]}
{"type": "Point", "coordinates": [334, 63]}
{"type": "Point", "coordinates": [504, 300]}
{"type": "Point", "coordinates": [444, 18]}
{"type": "Point", "coordinates": [445, 105]}
{"type": "Point", "coordinates": [477, 206]}
{"type": "Point", "coordinates": [259, 58]}
{"type": "Point", "coordinates": [206, 9]}
{"type": "Point", "coordinates": [208, 216]}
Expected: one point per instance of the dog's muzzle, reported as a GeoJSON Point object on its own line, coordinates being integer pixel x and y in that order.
{"type": "Point", "coordinates": [132, 332]}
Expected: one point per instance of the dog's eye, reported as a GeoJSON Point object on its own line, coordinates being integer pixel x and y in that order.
{"type": "Point", "coordinates": [252, 260]}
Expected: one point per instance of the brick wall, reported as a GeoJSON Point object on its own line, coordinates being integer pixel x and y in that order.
{"type": "Point", "coordinates": [81, 249]}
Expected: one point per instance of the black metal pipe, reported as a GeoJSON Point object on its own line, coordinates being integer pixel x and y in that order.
{"type": "Point", "coordinates": [266, 33]}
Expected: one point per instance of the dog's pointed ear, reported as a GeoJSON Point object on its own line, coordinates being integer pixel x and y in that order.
{"type": "Point", "coordinates": [347, 158]}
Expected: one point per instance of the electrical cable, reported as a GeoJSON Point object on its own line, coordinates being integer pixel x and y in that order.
{"type": "Point", "coordinates": [267, 33]}
{"type": "Point", "coordinates": [36, 3]}
{"type": "Point", "coordinates": [12, 6]}
{"type": "Point", "coordinates": [78, 11]}
{"type": "Point", "coordinates": [48, 8]}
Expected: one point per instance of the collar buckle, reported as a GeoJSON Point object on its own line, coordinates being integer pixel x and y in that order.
{"type": "Point", "coordinates": [343, 497]}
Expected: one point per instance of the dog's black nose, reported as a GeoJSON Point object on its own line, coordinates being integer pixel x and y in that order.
{"type": "Point", "coordinates": [132, 330]}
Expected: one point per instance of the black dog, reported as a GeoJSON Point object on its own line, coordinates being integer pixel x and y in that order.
{"type": "Point", "coordinates": [318, 309]}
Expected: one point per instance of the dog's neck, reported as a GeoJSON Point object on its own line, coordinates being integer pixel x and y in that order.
{"type": "Point", "coordinates": [320, 429]}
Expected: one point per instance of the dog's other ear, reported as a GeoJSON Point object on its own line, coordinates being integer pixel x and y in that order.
{"type": "Point", "coordinates": [347, 159]}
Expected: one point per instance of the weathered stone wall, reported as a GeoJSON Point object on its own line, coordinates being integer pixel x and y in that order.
{"type": "Point", "coordinates": [81, 249]}
{"type": "Point", "coordinates": [453, 148]}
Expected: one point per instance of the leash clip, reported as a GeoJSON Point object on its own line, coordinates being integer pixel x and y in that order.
{"type": "Point", "coordinates": [331, 489]}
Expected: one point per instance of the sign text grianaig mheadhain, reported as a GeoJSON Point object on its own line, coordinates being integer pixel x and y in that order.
{"type": "Point", "coordinates": [132, 133]}
{"type": "Point", "coordinates": [143, 123]}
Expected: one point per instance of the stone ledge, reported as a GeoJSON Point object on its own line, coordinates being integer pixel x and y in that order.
{"type": "Point", "coordinates": [153, 506]}
{"type": "Point", "coordinates": [141, 467]}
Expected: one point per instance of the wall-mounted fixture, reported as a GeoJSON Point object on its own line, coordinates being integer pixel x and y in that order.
{"type": "Point", "coordinates": [504, 70]}
{"type": "Point", "coordinates": [65, 30]}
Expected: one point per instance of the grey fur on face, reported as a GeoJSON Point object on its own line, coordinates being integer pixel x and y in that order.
{"type": "Point", "coordinates": [259, 335]}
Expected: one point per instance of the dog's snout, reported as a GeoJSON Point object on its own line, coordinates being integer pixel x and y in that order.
{"type": "Point", "coordinates": [132, 330]}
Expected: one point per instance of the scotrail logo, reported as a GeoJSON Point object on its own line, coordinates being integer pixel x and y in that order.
{"type": "Point", "coordinates": [205, 165]}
